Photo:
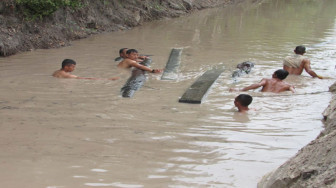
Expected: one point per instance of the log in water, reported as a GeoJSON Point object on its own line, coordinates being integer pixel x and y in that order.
{"type": "Point", "coordinates": [174, 61]}
{"type": "Point", "coordinates": [198, 90]}
{"type": "Point", "coordinates": [136, 81]}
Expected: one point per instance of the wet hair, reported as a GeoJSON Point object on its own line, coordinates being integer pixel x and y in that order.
{"type": "Point", "coordinates": [244, 99]}
{"type": "Point", "coordinates": [131, 51]}
{"type": "Point", "coordinates": [121, 50]}
{"type": "Point", "coordinates": [281, 74]}
{"type": "Point", "coordinates": [67, 62]}
{"type": "Point", "coordinates": [300, 50]}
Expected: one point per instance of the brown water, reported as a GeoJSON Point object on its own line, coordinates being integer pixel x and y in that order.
{"type": "Point", "coordinates": [59, 133]}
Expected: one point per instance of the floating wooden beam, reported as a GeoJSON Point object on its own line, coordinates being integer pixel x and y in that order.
{"type": "Point", "coordinates": [174, 61]}
{"type": "Point", "coordinates": [136, 81]}
{"type": "Point", "coordinates": [198, 90]}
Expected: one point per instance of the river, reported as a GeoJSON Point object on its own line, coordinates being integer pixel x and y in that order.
{"type": "Point", "coordinates": [58, 133]}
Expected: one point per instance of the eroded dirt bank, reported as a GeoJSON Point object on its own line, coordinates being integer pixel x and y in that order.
{"type": "Point", "coordinates": [315, 164]}
{"type": "Point", "coordinates": [66, 24]}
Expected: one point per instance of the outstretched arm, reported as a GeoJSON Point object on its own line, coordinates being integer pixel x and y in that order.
{"type": "Point", "coordinates": [255, 86]}
{"type": "Point", "coordinates": [63, 74]}
{"type": "Point", "coordinates": [309, 70]}
{"type": "Point", "coordinates": [88, 78]}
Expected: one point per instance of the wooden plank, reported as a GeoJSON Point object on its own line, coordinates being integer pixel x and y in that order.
{"type": "Point", "coordinates": [174, 61]}
{"type": "Point", "coordinates": [198, 90]}
{"type": "Point", "coordinates": [136, 81]}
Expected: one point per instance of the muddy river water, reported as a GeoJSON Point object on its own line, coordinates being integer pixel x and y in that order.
{"type": "Point", "coordinates": [58, 133]}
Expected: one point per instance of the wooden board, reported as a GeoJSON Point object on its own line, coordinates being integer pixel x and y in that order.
{"type": "Point", "coordinates": [198, 90]}
{"type": "Point", "coordinates": [174, 61]}
{"type": "Point", "coordinates": [136, 81]}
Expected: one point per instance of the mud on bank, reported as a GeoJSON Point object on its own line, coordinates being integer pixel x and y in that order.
{"type": "Point", "coordinates": [17, 33]}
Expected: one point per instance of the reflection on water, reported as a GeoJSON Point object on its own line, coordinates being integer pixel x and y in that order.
{"type": "Point", "coordinates": [81, 133]}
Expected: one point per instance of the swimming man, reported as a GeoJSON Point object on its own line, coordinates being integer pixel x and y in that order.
{"type": "Point", "coordinates": [242, 102]}
{"type": "Point", "coordinates": [275, 84]}
{"type": "Point", "coordinates": [297, 62]}
{"type": "Point", "coordinates": [68, 66]}
{"type": "Point", "coordinates": [123, 55]}
{"type": "Point", "coordinates": [131, 61]}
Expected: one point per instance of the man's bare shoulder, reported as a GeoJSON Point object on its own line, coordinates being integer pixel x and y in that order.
{"type": "Point", "coordinates": [57, 73]}
{"type": "Point", "coordinates": [126, 63]}
{"type": "Point", "coordinates": [63, 74]}
{"type": "Point", "coordinates": [266, 80]}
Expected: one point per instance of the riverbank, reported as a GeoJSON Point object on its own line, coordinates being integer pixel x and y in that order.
{"type": "Point", "coordinates": [18, 33]}
{"type": "Point", "coordinates": [315, 164]}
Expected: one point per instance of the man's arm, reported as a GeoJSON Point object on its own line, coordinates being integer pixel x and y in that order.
{"type": "Point", "coordinates": [309, 70]}
{"type": "Point", "coordinates": [67, 75]}
{"type": "Point", "coordinates": [62, 74]}
{"type": "Point", "coordinates": [255, 86]}
{"type": "Point", "coordinates": [292, 89]}
{"type": "Point", "coordinates": [87, 78]}
{"type": "Point", "coordinates": [141, 58]}
{"type": "Point", "coordinates": [142, 67]}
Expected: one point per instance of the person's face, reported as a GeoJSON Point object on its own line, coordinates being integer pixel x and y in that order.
{"type": "Point", "coordinates": [236, 102]}
{"type": "Point", "coordinates": [123, 54]}
{"type": "Point", "coordinates": [133, 56]}
{"type": "Point", "coordinates": [70, 68]}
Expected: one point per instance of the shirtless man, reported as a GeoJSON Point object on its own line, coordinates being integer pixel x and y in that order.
{"type": "Point", "coordinates": [242, 102]}
{"type": "Point", "coordinates": [296, 63]}
{"type": "Point", "coordinates": [69, 65]}
{"type": "Point", "coordinates": [131, 61]}
{"type": "Point", "coordinates": [123, 55]}
{"type": "Point", "coordinates": [275, 84]}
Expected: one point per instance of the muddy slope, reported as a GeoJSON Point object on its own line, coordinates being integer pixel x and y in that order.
{"type": "Point", "coordinates": [315, 164]}
{"type": "Point", "coordinates": [96, 16]}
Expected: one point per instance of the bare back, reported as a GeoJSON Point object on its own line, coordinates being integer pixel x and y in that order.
{"type": "Point", "coordinates": [292, 70]}
{"type": "Point", "coordinates": [297, 69]}
{"type": "Point", "coordinates": [294, 64]}
{"type": "Point", "coordinates": [275, 85]}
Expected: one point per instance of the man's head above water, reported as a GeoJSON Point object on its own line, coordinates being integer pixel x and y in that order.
{"type": "Point", "coordinates": [300, 50]}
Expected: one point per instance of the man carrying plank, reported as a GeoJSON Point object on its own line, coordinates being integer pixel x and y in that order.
{"type": "Point", "coordinates": [131, 61]}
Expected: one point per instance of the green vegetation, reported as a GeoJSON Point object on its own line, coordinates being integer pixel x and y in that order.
{"type": "Point", "coordinates": [40, 8]}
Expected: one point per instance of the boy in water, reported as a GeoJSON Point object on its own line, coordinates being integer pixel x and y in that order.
{"type": "Point", "coordinates": [68, 66]}
{"type": "Point", "coordinates": [242, 101]}
{"type": "Point", "coordinates": [131, 61]}
{"type": "Point", "coordinates": [123, 55]}
{"type": "Point", "coordinates": [275, 84]}
{"type": "Point", "coordinates": [296, 63]}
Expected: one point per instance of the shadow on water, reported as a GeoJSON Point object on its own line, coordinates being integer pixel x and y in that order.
{"type": "Point", "coordinates": [74, 133]}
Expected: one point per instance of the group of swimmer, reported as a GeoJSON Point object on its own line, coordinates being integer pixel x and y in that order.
{"type": "Point", "coordinates": [294, 64]}
{"type": "Point", "coordinates": [128, 58]}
